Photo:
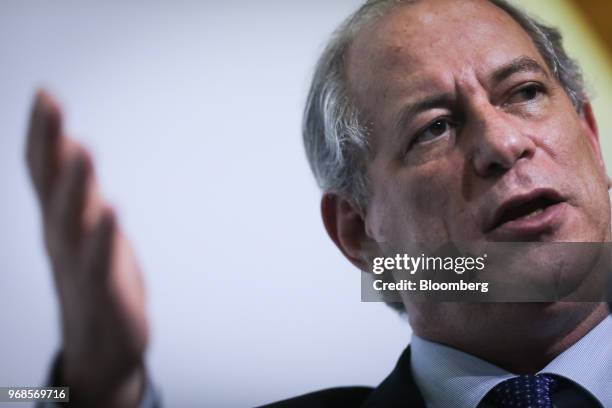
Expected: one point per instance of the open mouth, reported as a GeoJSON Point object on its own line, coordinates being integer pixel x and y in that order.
{"type": "Point", "coordinates": [525, 208]}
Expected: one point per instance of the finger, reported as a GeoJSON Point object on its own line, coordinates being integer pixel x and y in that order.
{"type": "Point", "coordinates": [92, 202]}
{"type": "Point", "coordinates": [99, 245]}
{"type": "Point", "coordinates": [42, 146]}
{"type": "Point", "coordinates": [69, 200]}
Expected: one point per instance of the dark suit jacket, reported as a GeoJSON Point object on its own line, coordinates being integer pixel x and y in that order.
{"type": "Point", "coordinates": [397, 390]}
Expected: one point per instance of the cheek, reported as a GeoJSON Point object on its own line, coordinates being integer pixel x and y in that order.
{"type": "Point", "coordinates": [590, 181]}
{"type": "Point", "coordinates": [417, 206]}
{"type": "Point", "coordinates": [583, 177]}
{"type": "Point", "coordinates": [568, 145]}
{"type": "Point", "coordinates": [563, 135]}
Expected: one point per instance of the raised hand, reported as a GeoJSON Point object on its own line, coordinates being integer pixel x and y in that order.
{"type": "Point", "coordinates": [100, 289]}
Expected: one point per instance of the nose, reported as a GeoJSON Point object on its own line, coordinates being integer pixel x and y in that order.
{"type": "Point", "coordinates": [498, 141]}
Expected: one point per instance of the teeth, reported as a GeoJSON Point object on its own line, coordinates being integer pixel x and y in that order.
{"type": "Point", "coordinates": [533, 214]}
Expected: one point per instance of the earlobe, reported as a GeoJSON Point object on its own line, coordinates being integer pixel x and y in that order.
{"type": "Point", "coordinates": [345, 226]}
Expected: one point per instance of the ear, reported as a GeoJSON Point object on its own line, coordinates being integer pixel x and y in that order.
{"type": "Point", "coordinates": [345, 225]}
{"type": "Point", "coordinates": [587, 117]}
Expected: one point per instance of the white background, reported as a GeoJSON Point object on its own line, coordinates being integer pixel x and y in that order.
{"type": "Point", "coordinates": [192, 112]}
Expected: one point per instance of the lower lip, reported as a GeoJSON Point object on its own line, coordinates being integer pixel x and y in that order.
{"type": "Point", "coordinates": [524, 228]}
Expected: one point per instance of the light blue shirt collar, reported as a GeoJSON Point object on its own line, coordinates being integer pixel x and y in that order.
{"type": "Point", "coordinates": [451, 378]}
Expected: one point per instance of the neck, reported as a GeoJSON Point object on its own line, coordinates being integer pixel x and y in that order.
{"type": "Point", "coordinates": [519, 337]}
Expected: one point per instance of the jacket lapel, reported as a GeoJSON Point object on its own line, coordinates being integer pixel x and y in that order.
{"type": "Point", "coordinates": [398, 389]}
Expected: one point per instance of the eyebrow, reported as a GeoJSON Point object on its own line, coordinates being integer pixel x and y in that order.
{"type": "Point", "coordinates": [425, 104]}
{"type": "Point", "coordinates": [518, 65]}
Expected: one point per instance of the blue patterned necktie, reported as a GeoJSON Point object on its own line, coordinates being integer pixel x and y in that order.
{"type": "Point", "coordinates": [525, 391]}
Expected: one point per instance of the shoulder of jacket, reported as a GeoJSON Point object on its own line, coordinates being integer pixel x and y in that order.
{"type": "Point", "coordinates": [345, 397]}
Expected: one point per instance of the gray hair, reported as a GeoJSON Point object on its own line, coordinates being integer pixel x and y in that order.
{"type": "Point", "coordinates": [335, 138]}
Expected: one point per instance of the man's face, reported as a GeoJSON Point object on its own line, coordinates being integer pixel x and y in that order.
{"type": "Point", "coordinates": [472, 137]}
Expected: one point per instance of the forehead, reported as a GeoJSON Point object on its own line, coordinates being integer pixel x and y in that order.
{"type": "Point", "coordinates": [433, 43]}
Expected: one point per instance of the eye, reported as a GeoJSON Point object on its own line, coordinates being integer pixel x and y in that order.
{"type": "Point", "coordinates": [525, 94]}
{"type": "Point", "coordinates": [434, 130]}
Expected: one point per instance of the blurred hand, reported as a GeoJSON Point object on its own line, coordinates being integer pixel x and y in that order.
{"type": "Point", "coordinates": [104, 325]}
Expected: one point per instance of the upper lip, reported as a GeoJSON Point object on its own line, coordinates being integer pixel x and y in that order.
{"type": "Point", "coordinates": [496, 217]}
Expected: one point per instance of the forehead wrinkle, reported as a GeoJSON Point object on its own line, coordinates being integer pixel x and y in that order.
{"type": "Point", "coordinates": [391, 59]}
{"type": "Point", "coordinates": [380, 48]}
{"type": "Point", "coordinates": [412, 30]}
{"type": "Point", "coordinates": [399, 40]}
{"type": "Point", "coordinates": [385, 72]}
{"type": "Point", "coordinates": [377, 78]}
